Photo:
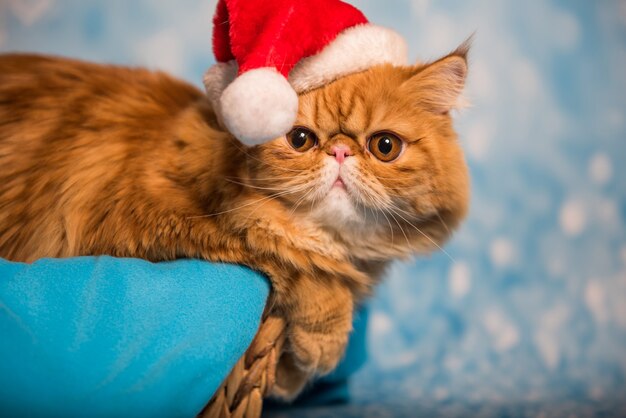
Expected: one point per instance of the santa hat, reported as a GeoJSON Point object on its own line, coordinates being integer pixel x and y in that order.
{"type": "Point", "coordinates": [267, 51]}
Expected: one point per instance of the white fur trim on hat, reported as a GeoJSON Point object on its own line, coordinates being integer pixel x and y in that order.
{"type": "Point", "coordinates": [353, 50]}
{"type": "Point", "coordinates": [216, 79]}
{"type": "Point", "coordinates": [258, 106]}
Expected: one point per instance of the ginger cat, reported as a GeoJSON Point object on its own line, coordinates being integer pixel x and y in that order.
{"type": "Point", "coordinates": [107, 160]}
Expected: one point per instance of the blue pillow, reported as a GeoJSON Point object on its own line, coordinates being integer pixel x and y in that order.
{"type": "Point", "coordinates": [109, 337]}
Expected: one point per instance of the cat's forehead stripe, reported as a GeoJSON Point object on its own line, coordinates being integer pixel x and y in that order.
{"type": "Point", "coordinates": [341, 107]}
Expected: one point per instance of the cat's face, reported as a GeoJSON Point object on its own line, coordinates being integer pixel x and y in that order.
{"type": "Point", "coordinates": [374, 158]}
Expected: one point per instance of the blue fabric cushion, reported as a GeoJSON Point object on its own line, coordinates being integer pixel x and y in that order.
{"type": "Point", "coordinates": [108, 337]}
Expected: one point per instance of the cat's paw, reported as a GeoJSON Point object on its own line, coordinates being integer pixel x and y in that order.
{"type": "Point", "coordinates": [319, 326]}
{"type": "Point", "coordinates": [309, 353]}
{"type": "Point", "coordinates": [318, 351]}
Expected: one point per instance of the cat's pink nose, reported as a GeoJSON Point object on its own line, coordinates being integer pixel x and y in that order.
{"type": "Point", "coordinates": [340, 152]}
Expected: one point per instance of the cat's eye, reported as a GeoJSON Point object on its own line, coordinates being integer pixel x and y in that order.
{"type": "Point", "coordinates": [301, 139]}
{"type": "Point", "coordinates": [385, 146]}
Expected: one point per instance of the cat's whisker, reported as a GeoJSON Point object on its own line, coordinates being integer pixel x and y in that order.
{"type": "Point", "coordinates": [408, 243]}
{"type": "Point", "coordinates": [289, 178]}
{"type": "Point", "coordinates": [390, 226]}
{"type": "Point", "coordinates": [413, 195]}
{"type": "Point", "coordinates": [276, 167]}
{"type": "Point", "coordinates": [382, 204]}
{"type": "Point", "coordinates": [374, 213]}
{"type": "Point", "coordinates": [408, 214]}
{"type": "Point", "coordinates": [292, 191]}
{"type": "Point", "coordinates": [270, 197]}
{"type": "Point", "coordinates": [260, 204]}
{"type": "Point", "coordinates": [299, 202]}
{"type": "Point", "coordinates": [379, 199]}
{"type": "Point", "coordinates": [410, 190]}
{"type": "Point", "coordinates": [443, 223]}
{"type": "Point", "coordinates": [426, 236]}
{"type": "Point", "coordinates": [260, 187]}
{"type": "Point", "coordinates": [386, 178]}
{"type": "Point", "coordinates": [316, 196]}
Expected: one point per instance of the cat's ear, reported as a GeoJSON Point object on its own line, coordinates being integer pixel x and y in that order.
{"type": "Point", "coordinates": [438, 86]}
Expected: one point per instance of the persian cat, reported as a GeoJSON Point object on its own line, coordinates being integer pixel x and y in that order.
{"type": "Point", "coordinates": [99, 159]}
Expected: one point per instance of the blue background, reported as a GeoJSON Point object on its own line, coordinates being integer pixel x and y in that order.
{"type": "Point", "coordinates": [530, 307]}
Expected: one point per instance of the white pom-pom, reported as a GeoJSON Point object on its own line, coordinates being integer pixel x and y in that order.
{"type": "Point", "coordinates": [258, 106]}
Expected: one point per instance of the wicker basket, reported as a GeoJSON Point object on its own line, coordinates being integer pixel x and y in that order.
{"type": "Point", "coordinates": [242, 392]}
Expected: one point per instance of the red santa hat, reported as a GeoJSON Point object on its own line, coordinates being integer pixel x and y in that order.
{"type": "Point", "coordinates": [267, 51]}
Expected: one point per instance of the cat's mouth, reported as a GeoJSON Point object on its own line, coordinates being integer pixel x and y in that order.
{"type": "Point", "coordinates": [339, 183]}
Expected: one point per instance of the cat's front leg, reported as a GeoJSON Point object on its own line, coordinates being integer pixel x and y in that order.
{"type": "Point", "coordinates": [319, 314]}
{"type": "Point", "coordinates": [312, 290]}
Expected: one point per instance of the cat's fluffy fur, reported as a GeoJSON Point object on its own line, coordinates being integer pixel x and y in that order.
{"type": "Point", "coordinates": [107, 160]}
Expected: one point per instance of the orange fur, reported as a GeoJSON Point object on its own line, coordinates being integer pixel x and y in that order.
{"type": "Point", "coordinates": [108, 160]}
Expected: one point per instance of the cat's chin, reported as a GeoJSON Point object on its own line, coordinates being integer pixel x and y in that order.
{"type": "Point", "coordinates": [337, 211]}
{"type": "Point", "coordinates": [358, 227]}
